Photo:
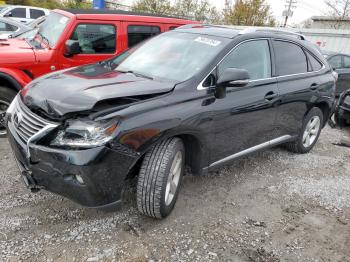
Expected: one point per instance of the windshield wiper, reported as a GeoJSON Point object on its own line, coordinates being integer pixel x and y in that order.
{"type": "Point", "coordinates": [136, 74]}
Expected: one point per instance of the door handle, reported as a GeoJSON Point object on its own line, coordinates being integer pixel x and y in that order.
{"type": "Point", "coordinates": [314, 86]}
{"type": "Point", "coordinates": [270, 96]}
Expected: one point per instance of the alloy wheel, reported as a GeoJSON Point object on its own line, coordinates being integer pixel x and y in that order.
{"type": "Point", "coordinates": [173, 178]}
{"type": "Point", "coordinates": [311, 131]}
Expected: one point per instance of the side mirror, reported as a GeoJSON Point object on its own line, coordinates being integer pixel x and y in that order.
{"type": "Point", "coordinates": [231, 77]}
{"type": "Point", "coordinates": [72, 48]}
{"type": "Point", "coordinates": [9, 14]}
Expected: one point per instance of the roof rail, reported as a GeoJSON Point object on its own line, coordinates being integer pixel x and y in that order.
{"type": "Point", "coordinates": [272, 30]}
{"type": "Point", "coordinates": [247, 30]}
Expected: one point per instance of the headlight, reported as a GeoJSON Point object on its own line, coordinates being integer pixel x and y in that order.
{"type": "Point", "coordinates": [85, 134]}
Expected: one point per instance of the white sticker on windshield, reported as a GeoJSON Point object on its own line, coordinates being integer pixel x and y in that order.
{"type": "Point", "coordinates": [63, 20]}
{"type": "Point", "coordinates": [207, 41]}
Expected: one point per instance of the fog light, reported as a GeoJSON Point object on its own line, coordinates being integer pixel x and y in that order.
{"type": "Point", "coordinates": [79, 179]}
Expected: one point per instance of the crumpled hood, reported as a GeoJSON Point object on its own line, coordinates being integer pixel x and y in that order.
{"type": "Point", "coordinates": [15, 50]}
{"type": "Point", "coordinates": [79, 89]}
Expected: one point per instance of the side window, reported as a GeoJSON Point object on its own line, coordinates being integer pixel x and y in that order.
{"type": "Point", "coordinates": [346, 61]}
{"type": "Point", "coordinates": [138, 33]}
{"type": "Point", "coordinates": [335, 61]}
{"type": "Point", "coordinates": [35, 13]}
{"type": "Point", "coordinates": [18, 12]}
{"type": "Point", "coordinates": [290, 58]}
{"type": "Point", "coordinates": [254, 56]}
{"type": "Point", "coordinates": [3, 27]}
{"type": "Point", "coordinates": [95, 38]}
{"type": "Point", "coordinates": [315, 64]}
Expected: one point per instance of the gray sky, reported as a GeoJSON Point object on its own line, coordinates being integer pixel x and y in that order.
{"type": "Point", "coordinates": [305, 8]}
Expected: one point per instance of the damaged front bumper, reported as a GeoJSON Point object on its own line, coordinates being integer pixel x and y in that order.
{"type": "Point", "coordinates": [92, 177]}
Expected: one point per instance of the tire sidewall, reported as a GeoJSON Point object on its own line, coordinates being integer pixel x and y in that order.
{"type": "Point", "coordinates": [313, 112]}
{"type": "Point", "coordinates": [165, 210]}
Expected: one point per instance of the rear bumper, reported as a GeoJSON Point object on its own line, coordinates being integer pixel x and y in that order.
{"type": "Point", "coordinates": [103, 171]}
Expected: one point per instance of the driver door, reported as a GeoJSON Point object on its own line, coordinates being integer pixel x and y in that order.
{"type": "Point", "coordinates": [97, 41]}
{"type": "Point", "coordinates": [245, 118]}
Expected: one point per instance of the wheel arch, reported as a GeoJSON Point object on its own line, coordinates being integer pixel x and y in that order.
{"type": "Point", "coordinates": [326, 110]}
{"type": "Point", "coordinates": [196, 154]}
{"type": "Point", "coordinates": [10, 82]}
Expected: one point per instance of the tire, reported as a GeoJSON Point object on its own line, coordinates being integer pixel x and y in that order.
{"type": "Point", "coordinates": [6, 97]}
{"type": "Point", "coordinates": [155, 197]}
{"type": "Point", "coordinates": [301, 145]}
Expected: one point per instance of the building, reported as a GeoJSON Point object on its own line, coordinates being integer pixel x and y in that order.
{"type": "Point", "coordinates": [328, 22]}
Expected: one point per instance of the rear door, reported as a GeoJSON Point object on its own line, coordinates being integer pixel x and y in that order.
{"type": "Point", "coordinates": [97, 41]}
{"type": "Point", "coordinates": [298, 83]}
{"type": "Point", "coordinates": [246, 116]}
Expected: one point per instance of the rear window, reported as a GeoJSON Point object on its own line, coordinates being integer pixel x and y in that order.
{"type": "Point", "coordinates": [35, 13]}
{"type": "Point", "coordinates": [138, 33]}
{"type": "Point", "coordinates": [290, 58]}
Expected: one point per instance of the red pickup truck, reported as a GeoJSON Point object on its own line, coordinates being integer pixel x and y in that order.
{"type": "Point", "coordinates": [71, 38]}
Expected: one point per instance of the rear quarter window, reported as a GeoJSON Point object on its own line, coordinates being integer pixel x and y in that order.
{"type": "Point", "coordinates": [314, 63]}
{"type": "Point", "coordinates": [290, 58]}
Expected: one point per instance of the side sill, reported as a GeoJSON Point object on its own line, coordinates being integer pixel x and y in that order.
{"type": "Point", "coordinates": [250, 150]}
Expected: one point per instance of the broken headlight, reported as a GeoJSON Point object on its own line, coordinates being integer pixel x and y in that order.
{"type": "Point", "coordinates": [85, 134]}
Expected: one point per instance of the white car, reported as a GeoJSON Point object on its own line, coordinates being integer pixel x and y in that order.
{"type": "Point", "coordinates": [24, 14]}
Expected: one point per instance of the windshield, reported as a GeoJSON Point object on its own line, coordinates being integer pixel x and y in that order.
{"type": "Point", "coordinates": [174, 55]}
{"type": "Point", "coordinates": [51, 30]}
{"type": "Point", "coordinates": [3, 9]}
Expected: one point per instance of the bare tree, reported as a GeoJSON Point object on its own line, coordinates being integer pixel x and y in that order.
{"type": "Point", "coordinates": [339, 9]}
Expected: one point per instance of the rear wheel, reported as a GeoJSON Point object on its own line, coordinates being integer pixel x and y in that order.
{"type": "Point", "coordinates": [309, 134]}
{"type": "Point", "coordinates": [6, 97]}
{"type": "Point", "coordinates": [160, 178]}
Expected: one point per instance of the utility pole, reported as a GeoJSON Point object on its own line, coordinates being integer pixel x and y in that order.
{"type": "Point", "coordinates": [290, 4]}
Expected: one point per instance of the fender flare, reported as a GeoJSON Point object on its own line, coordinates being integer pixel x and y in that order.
{"type": "Point", "coordinates": [17, 78]}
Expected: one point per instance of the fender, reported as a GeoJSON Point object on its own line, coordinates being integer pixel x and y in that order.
{"type": "Point", "coordinates": [16, 77]}
{"type": "Point", "coordinates": [143, 140]}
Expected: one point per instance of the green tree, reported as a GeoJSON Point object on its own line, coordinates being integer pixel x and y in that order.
{"type": "Point", "coordinates": [161, 7]}
{"type": "Point", "coordinates": [200, 10]}
{"type": "Point", "coordinates": [248, 12]}
{"type": "Point", "coordinates": [52, 4]}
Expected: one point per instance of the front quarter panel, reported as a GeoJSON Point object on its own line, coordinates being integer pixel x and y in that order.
{"type": "Point", "coordinates": [143, 125]}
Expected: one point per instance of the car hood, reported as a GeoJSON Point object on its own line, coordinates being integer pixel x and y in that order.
{"type": "Point", "coordinates": [15, 51]}
{"type": "Point", "coordinates": [80, 89]}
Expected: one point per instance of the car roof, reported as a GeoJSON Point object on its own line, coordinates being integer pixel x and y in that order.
{"type": "Point", "coordinates": [118, 12]}
{"type": "Point", "coordinates": [233, 31]}
{"type": "Point", "coordinates": [25, 6]}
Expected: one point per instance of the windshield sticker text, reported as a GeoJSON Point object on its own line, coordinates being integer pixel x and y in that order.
{"type": "Point", "coordinates": [207, 41]}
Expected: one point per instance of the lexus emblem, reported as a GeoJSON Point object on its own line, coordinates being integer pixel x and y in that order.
{"type": "Point", "coordinates": [17, 119]}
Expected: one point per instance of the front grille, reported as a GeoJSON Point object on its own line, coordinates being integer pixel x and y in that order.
{"type": "Point", "coordinates": [26, 123]}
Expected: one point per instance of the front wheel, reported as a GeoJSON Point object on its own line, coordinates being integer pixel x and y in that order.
{"type": "Point", "coordinates": [309, 134]}
{"type": "Point", "coordinates": [160, 178]}
{"type": "Point", "coordinates": [6, 97]}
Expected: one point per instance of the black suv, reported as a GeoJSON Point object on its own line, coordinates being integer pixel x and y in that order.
{"type": "Point", "coordinates": [198, 96]}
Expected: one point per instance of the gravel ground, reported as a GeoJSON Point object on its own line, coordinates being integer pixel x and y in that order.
{"type": "Point", "coordinates": [271, 206]}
